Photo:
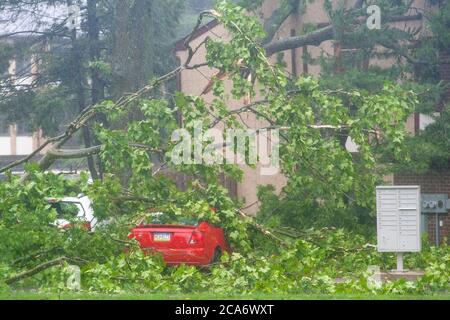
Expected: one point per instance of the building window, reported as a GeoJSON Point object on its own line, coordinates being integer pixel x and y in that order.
{"type": "Point", "coordinates": [23, 66]}
{"type": "Point", "coordinates": [355, 58]}
{"type": "Point", "coordinates": [350, 57]}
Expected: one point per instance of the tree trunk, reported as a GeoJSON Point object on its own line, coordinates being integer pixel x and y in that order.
{"type": "Point", "coordinates": [98, 85]}
{"type": "Point", "coordinates": [120, 52]}
{"type": "Point", "coordinates": [79, 89]}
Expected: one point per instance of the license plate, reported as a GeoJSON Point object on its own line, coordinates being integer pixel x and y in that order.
{"type": "Point", "coordinates": [161, 237]}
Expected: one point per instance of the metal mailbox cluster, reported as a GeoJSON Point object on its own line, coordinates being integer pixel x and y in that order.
{"type": "Point", "coordinates": [398, 219]}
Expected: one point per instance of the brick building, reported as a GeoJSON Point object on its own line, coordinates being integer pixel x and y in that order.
{"type": "Point", "coordinates": [432, 182]}
{"type": "Point", "coordinates": [438, 181]}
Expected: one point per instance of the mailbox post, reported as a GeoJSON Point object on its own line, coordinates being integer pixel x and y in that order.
{"type": "Point", "coordinates": [398, 220]}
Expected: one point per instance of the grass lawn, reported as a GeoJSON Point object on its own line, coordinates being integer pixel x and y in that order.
{"type": "Point", "coordinates": [23, 295]}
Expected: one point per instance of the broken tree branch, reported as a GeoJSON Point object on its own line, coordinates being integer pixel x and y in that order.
{"type": "Point", "coordinates": [74, 153]}
{"type": "Point", "coordinates": [41, 267]}
{"type": "Point", "coordinates": [314, 38]}
{"type": "Point", "coordinates": [30, 156]}
{"type": "Point", "coordinates": [36, 255]}
{"type": "Point", "coordinates": [262, 229]}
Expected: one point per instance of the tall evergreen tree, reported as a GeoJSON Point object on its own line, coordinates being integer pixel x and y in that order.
{"type": "Point", "coordinates": [75, 66]}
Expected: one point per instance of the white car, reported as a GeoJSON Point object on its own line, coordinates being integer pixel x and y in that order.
{"type": "Point", "coordinates": [71, 209]}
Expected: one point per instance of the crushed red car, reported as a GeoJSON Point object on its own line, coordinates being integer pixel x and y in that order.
{"type": "Point", "coordinates": [181, 240]}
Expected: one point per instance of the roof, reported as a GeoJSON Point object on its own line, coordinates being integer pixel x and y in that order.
{"type": "Point", "coordinates": [180, 45]}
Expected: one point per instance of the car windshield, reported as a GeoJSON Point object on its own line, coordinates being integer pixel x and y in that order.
{"type": "Point", "coordinates": [66, 210]}
{"type": "Point", "coordinates": [165, 218]}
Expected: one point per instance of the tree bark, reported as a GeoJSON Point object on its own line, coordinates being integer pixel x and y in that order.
{"type": "Point", "coordinates": [98, 85]}
{"type": "Point", "coordinates": [74, 153]}
{"type": "Point", "coordinates": [314, 38]}
{"type": "Point", "coordinates": [120, 50]}
{"type": "Point", "coordinates": [37, 269]}
{"type": "Point", "coordinates": [78, 78]}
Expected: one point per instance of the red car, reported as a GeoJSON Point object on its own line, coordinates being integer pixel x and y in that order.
{"type": "Point", "coordinates": [181, 240]}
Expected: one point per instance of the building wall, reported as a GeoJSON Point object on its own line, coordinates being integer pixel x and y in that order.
{"type": "Point", "coordinates": [194, 82]}
{"type": "Point", "coordinates": [19, 145]}
{"type": "Point", "coordinates": [5, 146]}
{"type": "Point", "coordinates": [432, 182]}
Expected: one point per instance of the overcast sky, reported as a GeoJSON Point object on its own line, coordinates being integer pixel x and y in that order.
{"type": "Point", "coordinates": [36, 18]}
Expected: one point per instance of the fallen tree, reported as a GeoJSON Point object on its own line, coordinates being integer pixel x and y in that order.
{"type": "Point", "coordinates": [312, 157]}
